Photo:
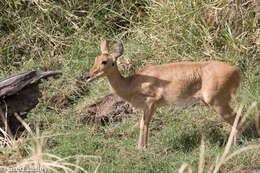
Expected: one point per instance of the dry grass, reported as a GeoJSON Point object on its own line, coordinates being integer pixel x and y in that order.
{"type": "Point", "coordinates": [64, 35]}
{"type": "Point", "coordinates": [225, 156]}
{"type": "Point", "coordinates": [40, 161]}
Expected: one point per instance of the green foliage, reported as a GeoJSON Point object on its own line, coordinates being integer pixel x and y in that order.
{"type": "Point", "coordinates": [64, 35]}
{"type": "Point", "coordinates": [32, 30]}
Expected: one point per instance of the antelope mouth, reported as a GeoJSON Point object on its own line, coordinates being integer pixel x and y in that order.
{"type": "Point", "coordinates": [90, 78]}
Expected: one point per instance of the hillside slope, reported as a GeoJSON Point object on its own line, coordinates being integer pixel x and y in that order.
{"type": "Point", "coordinates": [64, 35]}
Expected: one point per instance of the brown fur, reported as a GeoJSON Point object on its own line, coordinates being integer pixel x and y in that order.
{"type": "Point", "coordinates": [213, 82]}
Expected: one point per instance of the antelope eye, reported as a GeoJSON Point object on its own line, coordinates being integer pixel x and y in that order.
{"type": "Point", "coordinates": [104, 62]}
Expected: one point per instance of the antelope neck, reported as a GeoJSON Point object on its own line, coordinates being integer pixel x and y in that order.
{"type": "Point", "coordinates": [119, 84]}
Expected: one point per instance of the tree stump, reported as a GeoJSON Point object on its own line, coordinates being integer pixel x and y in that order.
{"type": "Point", "coordinates": [19, 94]}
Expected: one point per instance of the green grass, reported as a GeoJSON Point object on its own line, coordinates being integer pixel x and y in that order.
{"type": "Point", "coordinates": [65, 35]}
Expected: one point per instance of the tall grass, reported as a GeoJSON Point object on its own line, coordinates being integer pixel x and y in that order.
{"type": "Point", "coordinates": [201, 30]}
{"type": "Point", "coordinates": [64, 35]}
{"type": "Point", "coordinates": [225, 157]}
{"type": "Point", "coordinates": [56, 31]}
{"type": "Point", "coordinates": [38, 160]}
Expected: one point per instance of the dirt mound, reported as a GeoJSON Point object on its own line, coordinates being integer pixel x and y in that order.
{"type": "Point", "coordinates": [60, 101]}
{"type": "Point", "coordinates": [110, 108]}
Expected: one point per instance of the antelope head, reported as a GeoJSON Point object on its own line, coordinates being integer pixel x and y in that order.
{"type": "Point", "coordinates": [105, 63]}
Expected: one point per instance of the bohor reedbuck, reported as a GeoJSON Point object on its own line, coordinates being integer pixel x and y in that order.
{"type": "Point", "coordinates": [213, 82]}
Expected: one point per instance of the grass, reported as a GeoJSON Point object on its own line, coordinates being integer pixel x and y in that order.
{"type": "Point", "coordinates": [53, 35]}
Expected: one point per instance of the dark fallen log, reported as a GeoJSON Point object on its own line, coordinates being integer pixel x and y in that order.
{"type": "Point", "coordinates": [20, 94]}
{"type": "Point", "coordinates": [15, 83]}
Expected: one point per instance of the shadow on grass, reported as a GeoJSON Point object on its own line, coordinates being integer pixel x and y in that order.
{"type": "Point", "coordinates": [250, 132]}
{"type": "Point", "coordinates": [187, 141]}
{"type": "Point", "coordinates": [216, 135]}
{"type": "Point", "coordinates": [184, 142]}
{"type": "Point", "coordinates": [190, 141]}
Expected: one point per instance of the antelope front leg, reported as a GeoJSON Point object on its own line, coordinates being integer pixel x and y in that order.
{"type": "Point", "coordinates": [144, 125]}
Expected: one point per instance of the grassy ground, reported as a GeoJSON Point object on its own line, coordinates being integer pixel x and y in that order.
{"type": "Point", "coordinates": [64, 35]}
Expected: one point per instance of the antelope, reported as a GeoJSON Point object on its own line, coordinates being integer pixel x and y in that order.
{"type": "Point", "coordinates": [213, 82]}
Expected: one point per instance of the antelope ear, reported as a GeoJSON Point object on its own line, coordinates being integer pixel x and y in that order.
{"type": "Point", "coordinates": [104, 46]}
{"type": "Point", "coordinates": [118, 51]}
